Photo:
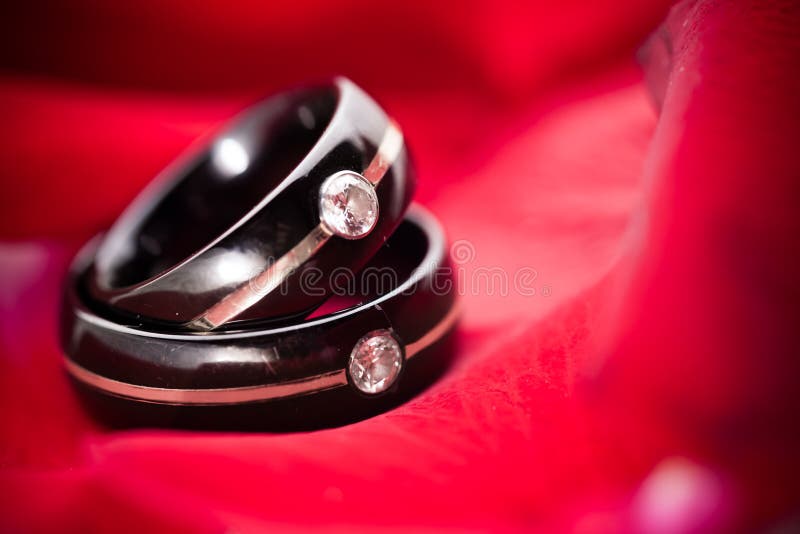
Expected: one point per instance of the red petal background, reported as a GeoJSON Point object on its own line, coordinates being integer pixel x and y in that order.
{"type": "Point", "coordinates": [649, 384]}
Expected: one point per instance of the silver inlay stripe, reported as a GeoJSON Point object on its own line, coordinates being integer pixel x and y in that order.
{"type": "Point", "coordinates": [265, 282]}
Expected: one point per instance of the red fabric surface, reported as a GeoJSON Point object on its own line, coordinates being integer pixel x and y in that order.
{"type": "Point", "coordinates": [648, 384]}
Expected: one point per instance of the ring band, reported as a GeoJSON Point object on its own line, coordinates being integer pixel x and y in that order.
{"type": "Point", "coordinates": [308, 181]}
{"type": "Point", "coordinates": [254, 365]}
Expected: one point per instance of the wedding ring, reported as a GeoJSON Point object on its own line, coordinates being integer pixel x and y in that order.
{"type": "Point", "coordinates": [303, 183]}
{"type": "Point", "coordinates": [405, 304]}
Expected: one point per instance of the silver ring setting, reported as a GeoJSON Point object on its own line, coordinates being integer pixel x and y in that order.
{"type": "Point", "coordinates": [348, 205]}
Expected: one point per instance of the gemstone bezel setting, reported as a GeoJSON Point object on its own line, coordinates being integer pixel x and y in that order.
{"type": "Point", "coordinates": [376, 362]}
{"type": "Point", "coordinates": [348, 205]}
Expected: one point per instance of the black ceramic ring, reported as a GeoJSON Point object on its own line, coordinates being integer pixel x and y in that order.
{"type": "Point", "coordinates": [366, 345]}
{"type": "Point", "coordinates": [313, 179]}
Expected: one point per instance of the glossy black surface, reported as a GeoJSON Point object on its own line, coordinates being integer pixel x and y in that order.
{"type": "Point", "coordinates": [200, 233]}
{"type": "Point", "coordinates": [129, 352]}
{"type": "Point", "coordinates": [326, 409]}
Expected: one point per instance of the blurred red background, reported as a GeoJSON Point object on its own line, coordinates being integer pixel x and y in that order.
{"type": "Point", "coordinates": [650, 383]}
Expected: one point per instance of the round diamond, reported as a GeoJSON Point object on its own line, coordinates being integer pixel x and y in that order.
{"type": "Point", "coordinates": [348, 205]}
{"type": "Point", "coordinates": [376, 362]}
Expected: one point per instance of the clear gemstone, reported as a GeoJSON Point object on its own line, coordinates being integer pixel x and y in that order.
{"type": "Point", "coordinates": [375, 362]}
{"type": "Point", "coordinates": [348, 205]}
